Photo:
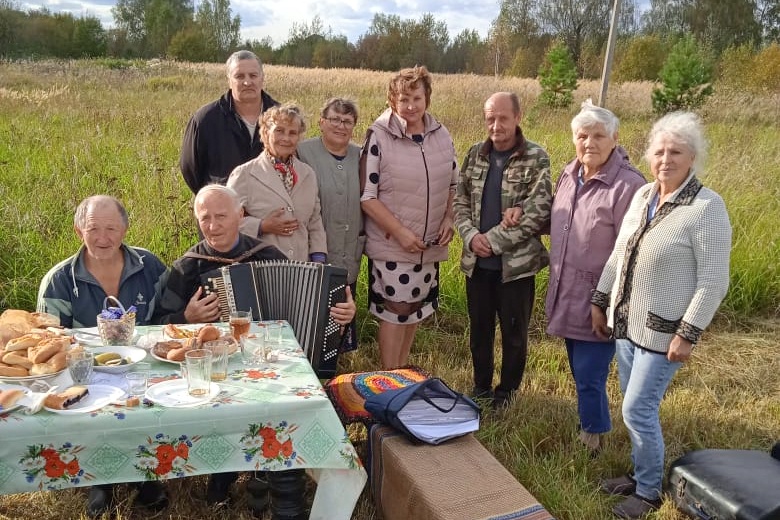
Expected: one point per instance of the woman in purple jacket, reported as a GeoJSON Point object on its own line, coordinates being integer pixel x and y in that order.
{"type": "Point", "coordinates": [591, 197]}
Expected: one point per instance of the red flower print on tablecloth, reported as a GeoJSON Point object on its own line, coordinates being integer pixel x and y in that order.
{"type": "Point", "coordinates": [253, 375]}
{"type": "Point", "coordinates": [52, 467]}
{"type": "Point", "coordinates": [263, 444]}
{"type": "Point", "coordinates": [165, 457]}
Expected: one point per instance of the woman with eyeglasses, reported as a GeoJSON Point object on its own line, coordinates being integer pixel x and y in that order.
{"type": "Point", "coordinates": [279, 191]}
{"type": "Point", "coordinates": [334, 159]}
{"type": "Point", "coordinates": [409, 172]}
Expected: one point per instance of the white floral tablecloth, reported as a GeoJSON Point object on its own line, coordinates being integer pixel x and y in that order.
{"type": "Point", "coordinates": [273, 417]}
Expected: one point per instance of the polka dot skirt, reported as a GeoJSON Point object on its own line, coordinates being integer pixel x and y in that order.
{"type": "Point", "coordinates": [401, 292]}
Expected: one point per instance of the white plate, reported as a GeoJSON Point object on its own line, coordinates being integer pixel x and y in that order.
{"type": "Point", "coordinates": [10, 379]}
{"type": "Point", "coordinates": [133, 354]}
{"type": "Point", "coordinates": [98, 397]}
{"type": "Point", "coordinates": [93, 338]}
{"type": "Point", "coordinates": [233, 350]}
{"type": "Point", "coordinates": [173, 394]}
{"type": "Point", "coordinates": [19, 403]}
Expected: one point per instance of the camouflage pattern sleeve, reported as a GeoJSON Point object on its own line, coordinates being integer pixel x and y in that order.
{"type": "Point", "coordinates": [527, 181]}
{"type": "Point", "coordinates": [462, 209]}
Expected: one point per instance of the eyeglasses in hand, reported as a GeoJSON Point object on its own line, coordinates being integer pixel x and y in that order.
{"type": "Point", "coordinates": [336, 121]}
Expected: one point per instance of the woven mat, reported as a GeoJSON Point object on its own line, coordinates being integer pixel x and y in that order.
{"type": "Point", "coordinates": [348, 392]}
{"type": "Point", "coordinates": [457, 480]}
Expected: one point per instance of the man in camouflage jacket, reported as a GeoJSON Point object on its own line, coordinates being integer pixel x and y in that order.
{"type": "Point", "coordinates": [500, 263]}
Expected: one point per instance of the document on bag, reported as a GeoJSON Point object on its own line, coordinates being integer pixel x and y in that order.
{"type": "Point", "coordinates": [432, 425]}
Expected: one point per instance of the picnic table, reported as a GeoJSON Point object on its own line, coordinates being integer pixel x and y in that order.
{"type": "Point", "coordinates": [271, 417]}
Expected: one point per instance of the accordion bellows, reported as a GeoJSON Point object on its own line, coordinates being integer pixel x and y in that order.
{"type": "Point", "coordinates": [301, 293]}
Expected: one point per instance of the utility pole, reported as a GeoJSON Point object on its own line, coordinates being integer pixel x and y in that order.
{"type": "Point", "coordinates": [607, 70]}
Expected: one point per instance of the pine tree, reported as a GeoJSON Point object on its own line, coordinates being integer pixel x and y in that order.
{"type": "Point", "coordinates": [558, 77]}
{"type": "Point", "coordinates": [686, 77]}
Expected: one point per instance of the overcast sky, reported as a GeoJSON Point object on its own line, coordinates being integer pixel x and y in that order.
{"type": "Point", "coordinates": [351, 18]}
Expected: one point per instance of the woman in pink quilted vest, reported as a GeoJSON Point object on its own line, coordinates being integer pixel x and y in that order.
{"type": "Point", "coordinates": [408, 172]}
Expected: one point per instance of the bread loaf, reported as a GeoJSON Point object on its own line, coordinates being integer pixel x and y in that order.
{"type": "Point", "coordinates": [23, 342]}
{"type": "Point", "coordinates": [44, 350]}
{"type": "Point", "coordinates": [66, 399]}
{"type": "Point", "coordinates": [56, 363]}
{"type": "Point", "coordinates": [13, 371]}
{"type": "Point", "coordinates": [18, 358]}
{"type": "Point", "coordinates": [43, 319]}
{"type": "Point", "coordinates": [10, 397]}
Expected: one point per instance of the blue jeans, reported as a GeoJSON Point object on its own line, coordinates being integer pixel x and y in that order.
{"type": "Point", "coordinates": [589, 362]}
{"type": "Point", "coordinates": [644, 378]}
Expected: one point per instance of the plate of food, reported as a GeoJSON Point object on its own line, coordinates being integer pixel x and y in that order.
{"type": "Point", "coordinates": [33, 356]}
{"type": "Point", "coordinates": [117, 360]}
{"type": "Point", "coordinates": [82, 399]}
{"type": "Point", "coordinates": [173, 394]}
{"type": "Point", "coordinates": [187, 337]}
{"type": "Point", "coordinates": [11, 398]}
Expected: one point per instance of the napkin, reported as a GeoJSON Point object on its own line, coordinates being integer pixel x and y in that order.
{"type": "Point", "coordinates": [33, 401]}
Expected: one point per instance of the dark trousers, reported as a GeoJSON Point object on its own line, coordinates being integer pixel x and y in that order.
{"type": "Point", "coordinates": [512, 302]}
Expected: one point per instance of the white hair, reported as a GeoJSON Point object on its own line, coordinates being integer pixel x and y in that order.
{"type": "Point", "coordinates": [591, 115]}
{"type": "Point", "coordinates": [217, 188]}
{"type": "Point", "coordinates": [685, 128]}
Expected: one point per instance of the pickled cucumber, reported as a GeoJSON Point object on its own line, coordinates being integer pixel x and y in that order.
{"type": "Point", "coordinates": [110, 359]}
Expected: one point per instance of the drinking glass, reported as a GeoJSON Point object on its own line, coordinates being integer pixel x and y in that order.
{"type": "Point", "coordinates": [239, 323]}
{"type": "Point", "coordinates": [252, 349]}
{"type": "Point", "coordinates": [220, 352]}
{"type": "Point", "coordinates": [273, 334]}
{"type": "Point", "coordinates": [197, 370]}
{"type": "Point", "coordinates": [80, 365]}
{"type": "Point", "coordinates": [136, 383]}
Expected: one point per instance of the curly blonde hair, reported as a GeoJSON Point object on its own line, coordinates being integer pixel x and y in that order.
{"type": "Point", "coordinates": [409, 79]}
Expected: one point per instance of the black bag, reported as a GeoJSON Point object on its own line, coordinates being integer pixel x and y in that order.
{"type": "Point", "coordinates": [428, 411]}
{"type": "Point", "coordinates": [727, 485]}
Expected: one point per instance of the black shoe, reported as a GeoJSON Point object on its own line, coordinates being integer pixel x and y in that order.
{"type": "Point", "coordinates": [636, 507]}
{"type": "Point", "coordinates": [153, 496]}
{"type": "Point", "coordinates": [100, 500]}
{"type": "Point", "coordinates": [624, 485]}
{"type": "Point", "coordinates": [257, 499]}
{"type": "Point", "coordinates": [478, 393]}
{"type": "Point", "coordinates": [218, 486]}
{"type": "Point", "coordinates": [502, 399]}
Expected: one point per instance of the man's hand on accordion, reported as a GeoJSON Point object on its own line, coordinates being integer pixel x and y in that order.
{"type": "Point", "coordinates": [342, 313]}
{"type": "Point", "coordinates": [203, 309]}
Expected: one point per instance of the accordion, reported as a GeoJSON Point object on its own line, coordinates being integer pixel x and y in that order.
{"type": "Point", "coordinates": [301, 293]}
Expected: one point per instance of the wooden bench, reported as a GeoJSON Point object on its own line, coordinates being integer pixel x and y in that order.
{"type": "Point", "coordinates": [457, 480]}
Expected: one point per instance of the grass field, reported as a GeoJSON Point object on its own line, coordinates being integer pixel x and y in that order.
{"type": "Point", "coordinates": [71, 129]}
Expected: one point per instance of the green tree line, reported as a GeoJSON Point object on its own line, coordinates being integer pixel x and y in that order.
{"type": "Point", "coordinates": [518, 39]}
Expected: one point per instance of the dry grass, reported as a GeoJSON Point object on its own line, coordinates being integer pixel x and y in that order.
{"type": "Point", "coordinates": [69, 129]}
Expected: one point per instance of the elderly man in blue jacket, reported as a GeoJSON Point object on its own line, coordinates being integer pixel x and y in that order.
{"type": "Point", "coordinates": [74, 290]}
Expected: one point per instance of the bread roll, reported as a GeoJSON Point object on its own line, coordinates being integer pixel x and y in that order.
{"type": "Point", "coordinates": [18, 358]}
{"type": "Point", "coordinates": [10, 397]}
{"type": "Point", "coordinates": [208, 333]}
{"type": "Point", "coordinates": [23, 342]}
{"type": "Point", "coordinates": [44, 350]}
{"type": "Point", "coordinates": [177, 354]}
{"type": "Point", "coordinates": [66, 399]}
{"type": "Point", "coordinates": [14, 371]}
{"type": "Point", "coordinates": [43, 320]}
{"type": "Point", "coordinates": [56, 363]}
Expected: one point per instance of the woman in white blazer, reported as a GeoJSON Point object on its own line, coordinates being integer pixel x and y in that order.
{"type": "Point", "coordinates": [662, 284]}
{"type": "Point", "coordinates": [279, 191]}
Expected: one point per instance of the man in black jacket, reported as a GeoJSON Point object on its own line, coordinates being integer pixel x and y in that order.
{"type": "Point", "coordinates": [218, 211]}
{"type": "Point", "coordinates": [224, 133]}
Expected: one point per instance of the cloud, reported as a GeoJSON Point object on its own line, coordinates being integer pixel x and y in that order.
{"type": "Point", "coordinates": [350, 18]}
